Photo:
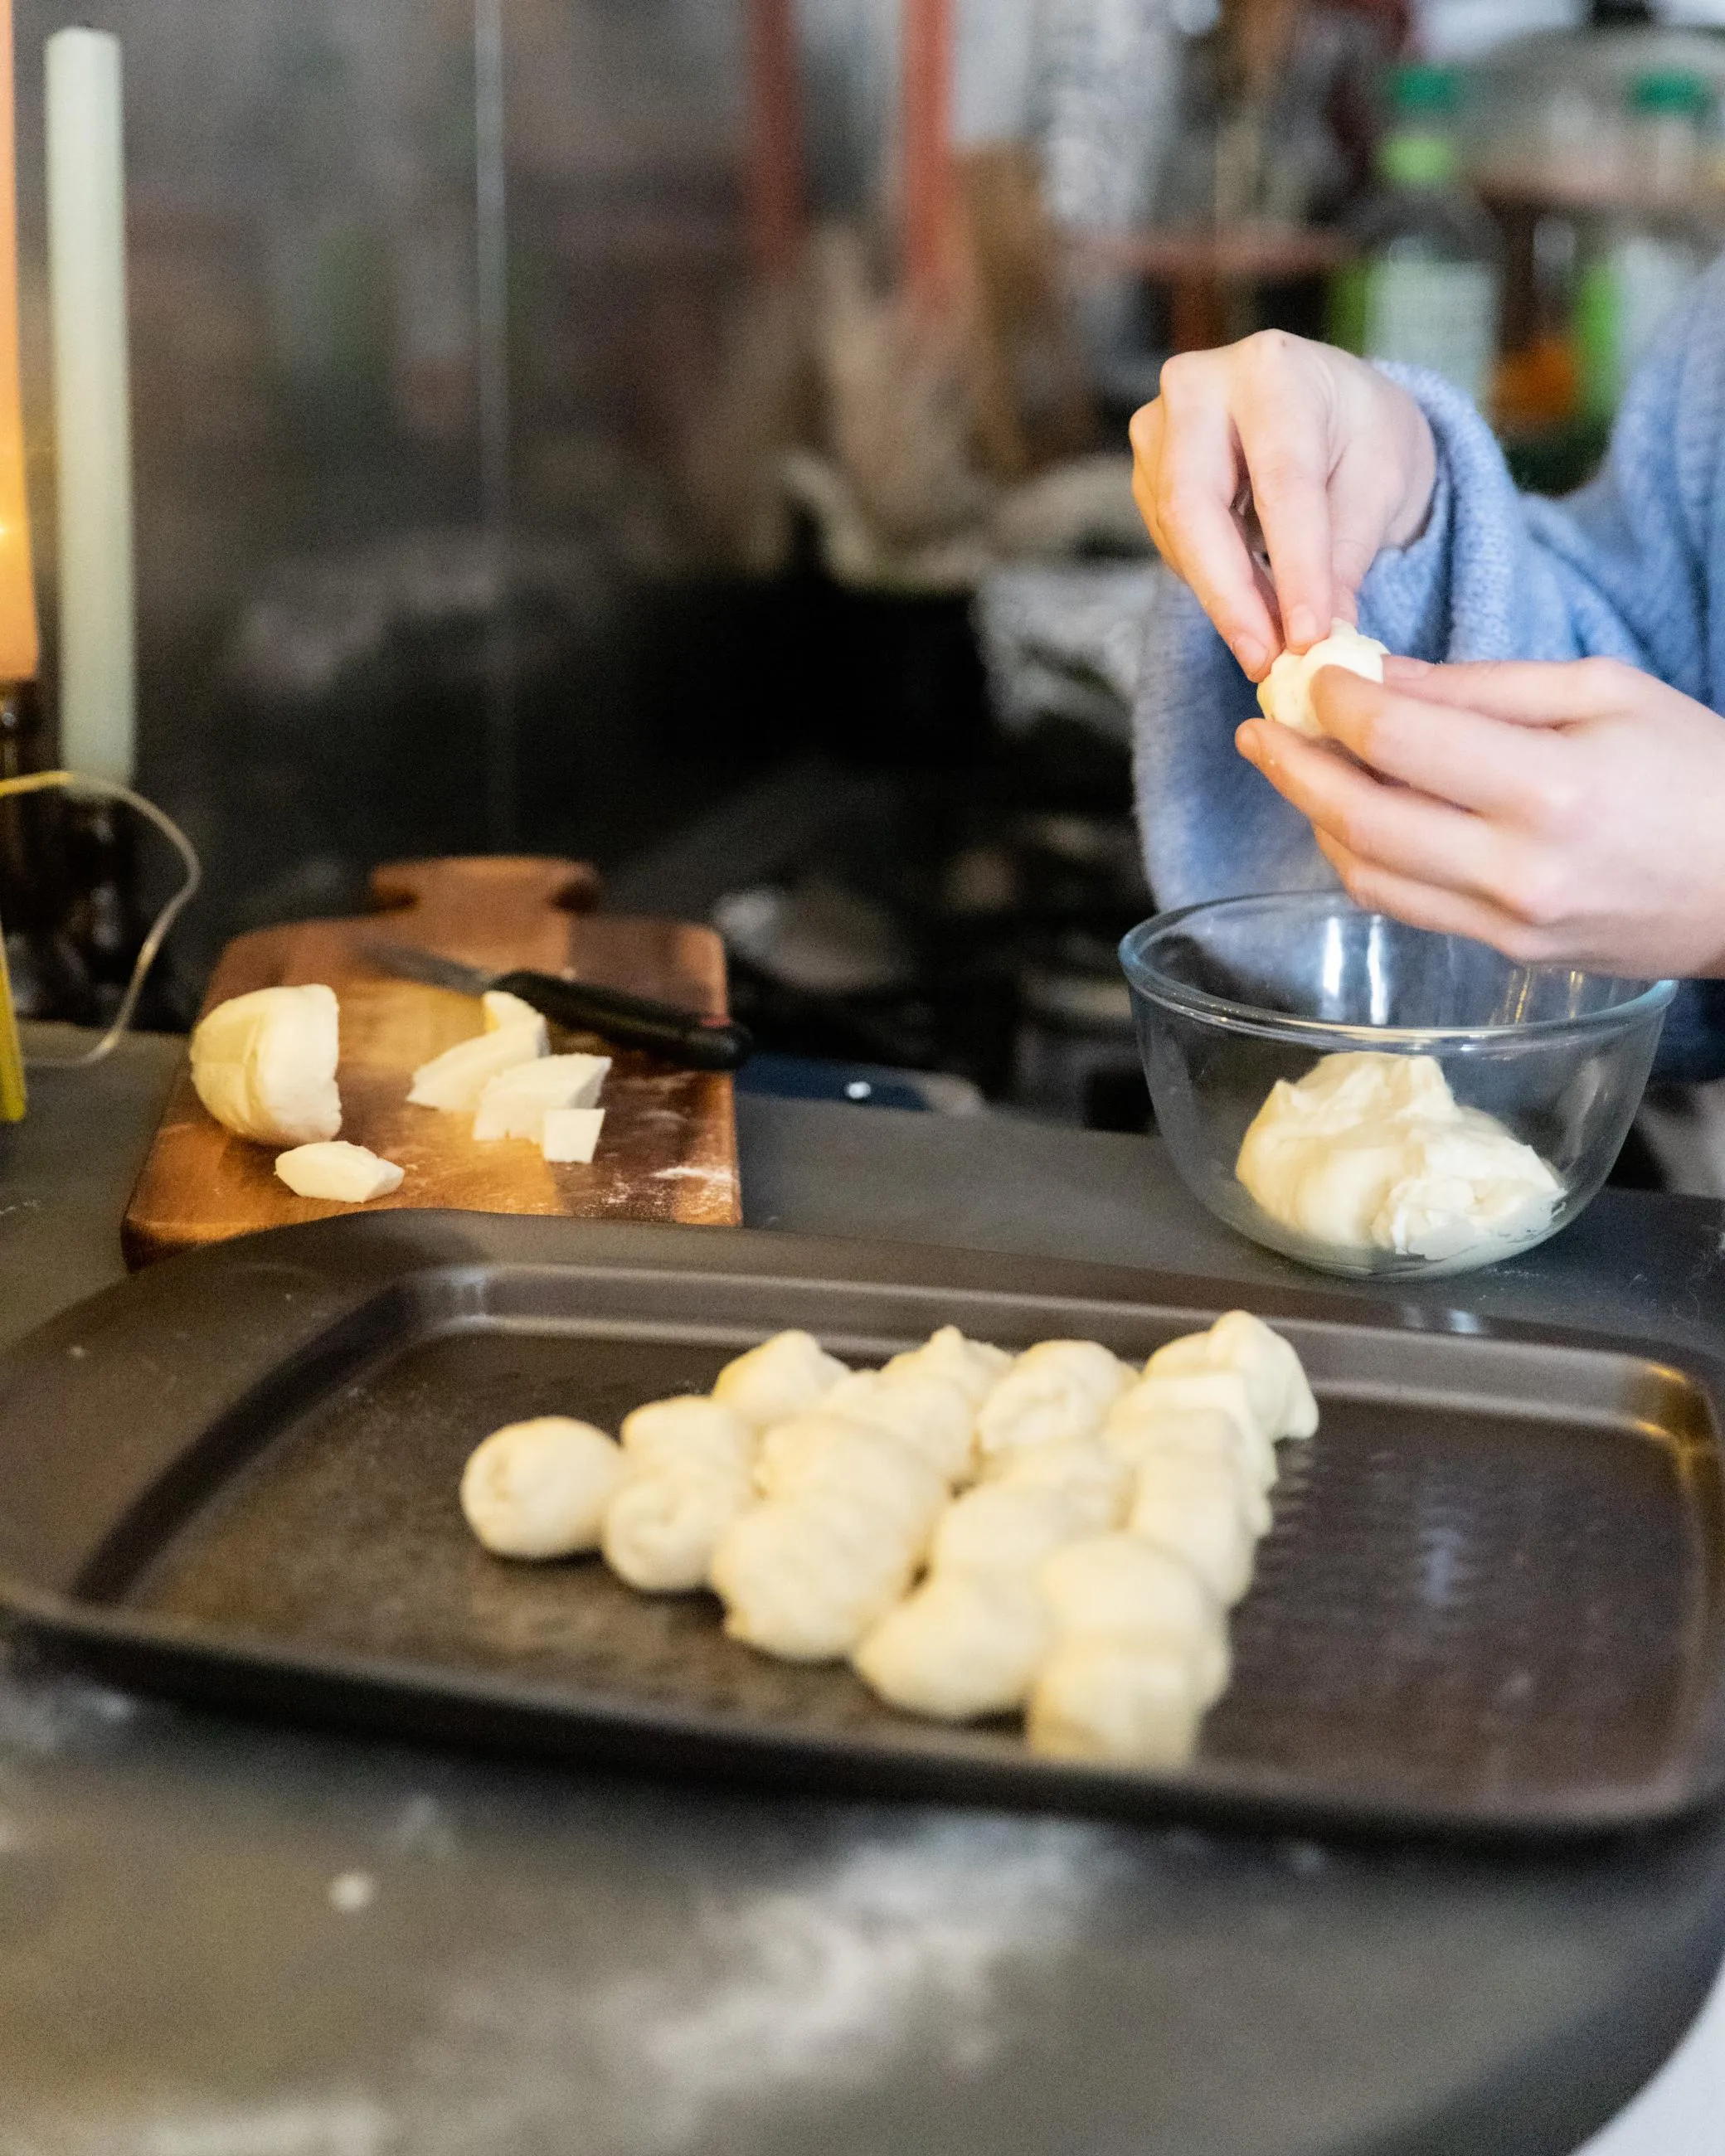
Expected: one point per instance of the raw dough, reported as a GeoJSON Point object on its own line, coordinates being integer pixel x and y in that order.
{"type": "Point", "coordinates": [1197, 1509]}
{"type": "Point", "coordinates": [539, 1489]}
{"type": "Point", "coordinates": [1121, 1584]}
{"type": "Point", "coordinates": [1220, 1392]}
{"type": "Point", "coordinates": [926, 1411]}
{"type": "Point", "coordinates": [691, 1428]}
{"type": "Point", "coordinates": [782, 1377]}
{"type": "Point", "coordinates": [973, 1365]}
{"type": "Point", "coordinates": [1137, 1701]}
{"type": "Point", "coordinates": [1275, 1378]}
{"type": "Point", "coordinates": [514, 1103]}
{"type": "Point", "coordinates": [1285, 694]}
{"type": "Point", "coordinates": [858, 1463]}
{"type": "Point", "coordinates": [1193, 1429]}
{"type": "Point", "coordinates": [264, 1064]}
{"type": "Point", "coordinates": [664, 1524]}
{"type": "Point", "coordinates": [333, 1168]}
{"type": "Point", "coordinates": [1059, 1390]}
{"type": "Point", "coordinates": [1003, 1527]}
{"type": "Point", "coordinates": [1371, 1151]}
{"type": "Point", "coordinates": [571, 1134]}
{"type": "Point", "coordinates": [805, 1577]}
{"type": "Point", "coordinates": [454, 1081]}
{"type": "Point", "coordinates": [1093, 1478]}
{"type": "Point", "coordinates": [964, 1644]}
{"type": "Point", "coordinates": [501, 1009]}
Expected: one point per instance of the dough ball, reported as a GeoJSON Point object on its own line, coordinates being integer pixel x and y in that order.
{"type": "Point", "coordinates": [999, 1528]}
{"type": "Point", "coordinates": [1120, 1584]}
{"type": "Point", "coordinates": [539, 1489]}
{"type": "Point", "coordinates": [1223, 1390]}
{"type": "Point", "coordinates": [1133, 1702]}
{"type": "Point", "coordinates": [803, 1577]}
{"type": "Point", "coordinates": [1275, 1380]}
{"type": "Point", "coordinates": [664, 1524]}
{"type": "Point", "coordinates": [1094, 1478]}
{"type": "Point", "coordinates": [1133, 1432]}
{"type": "Point", "coordinates": [973, 1365]}
{"type": "Point", "coordinates": [264, 1063]}
{"type": "Point", "coordinates": [689, 1428]}
{"type": "Point", "coordinates": [965, 1644]}
{"type": "Point", "coordinates": [1053, 1393]}
{"type": "Point", "coordinates": [853, 1462]}
{"type": "Point", "coordinates": [932, 1414]}
{"type": "Point", "coordinates": [1197, 1510]}
{"type": "Point", "coordinates": [782, 1377]}
{"type": "Point", "coordinates": [1285, 694]}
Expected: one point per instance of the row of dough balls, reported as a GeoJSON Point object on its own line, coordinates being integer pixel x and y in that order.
{"type": "Point", "coordinates": [978, 1532]}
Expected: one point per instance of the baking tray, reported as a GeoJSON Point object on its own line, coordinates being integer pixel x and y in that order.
{"type": "Point", "coordinates": [1490, 1602]}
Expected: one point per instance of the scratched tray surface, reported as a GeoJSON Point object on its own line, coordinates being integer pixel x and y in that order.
{"type": "Point", "coordinates": [1490, 1600]}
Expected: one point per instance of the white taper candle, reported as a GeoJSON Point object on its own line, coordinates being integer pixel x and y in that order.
{"type": "Point", "coordinates": [87, 259]}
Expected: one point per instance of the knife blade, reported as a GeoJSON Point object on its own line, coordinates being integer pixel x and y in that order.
{"type": "Point", "coordinates": [676, 1035]}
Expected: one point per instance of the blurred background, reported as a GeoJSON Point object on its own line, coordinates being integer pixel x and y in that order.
{"type": "Point", "coordinates": [689, 434]}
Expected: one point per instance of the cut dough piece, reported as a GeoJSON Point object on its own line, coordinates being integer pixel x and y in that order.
{"type": "Point", "coordinates": [571, 1134]}
{"type": "Point", "coordinates": [1136, 1701]}
{"type": "Point", "coordinates": [973, 1365]}
{"type": "Point", "coordinates": [965, 1644]}
{"type": "Point", "coordinates": [514, 1103]}
{"type": "Point", "coordinates": [665, 1522]}
{"type": "Point", "coordinates": [501, 1009]}
{"type": "Point", "coordinates": [1275, 1378]}
{"type": "Point", "coordinates": [264, 1064]}
{"type": "Point", "coordinates": [782, 1377]}
{"type": "Point", "coordinates": [1195, 1508]}
{"type": "Point", "coordinates": [1059, 1390]}
{"type": "Point", "coordinates": [454, 1081]}
{"type": "Point", "coordinates": [863, 1466]}
{"type": "Point", "coordinates": [1138, 1427]}
{"type": "Point", "coordinates": [1092, 1476]}
{"type": "Point", "coordinates": [1285, 694]}
{"type": "Point", "coordinates": [927, 1412]}
{"type": "Point", "coordinates": [539, 1489]}
{"type": "Point", "coordinates": [686, 1430]}
{"type": "Point", "coordinates": [1000, 1527]}
{"type": "Point", "coordinates": [804, 1578]}
{"type": "Point", "coordinates": [1120, 1584]}
{"type": "Point", "coordinates": [333, 1168]}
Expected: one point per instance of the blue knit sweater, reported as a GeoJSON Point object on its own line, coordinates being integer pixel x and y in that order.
{"type": "Point", "coordinates": [1633, 568]}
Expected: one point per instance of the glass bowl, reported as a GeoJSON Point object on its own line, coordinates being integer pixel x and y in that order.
{"type": "Point", "coordinates": [1232, 997]}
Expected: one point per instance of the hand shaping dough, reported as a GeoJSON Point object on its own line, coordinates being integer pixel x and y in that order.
{"type": "Point", "coordinates": [784, 1376]}
{"type": "Point", "coordinates": [973, 1365]}
{"type": "Point", "coordinates": [1092, 1477]}
{"type": "Point", "coordinates": [1057, 1391]}
{"type": "Point", "coordinates": [664, 1523]}
{"type": "Point", "coordinates": [1274, 1380]}
{"type": "Point", "coordinates": [928, 1412]}
{"type": "Point", "coordinates": [1204, 1430]}
{"type": "Point", "coordinates": [539, 1489]}
{"type": "Point", "coordinates": [1373, 1151]}
{"type": "Point", "coordinates": [856, 1463]}
{"type": "Point", "coordinates": [1000, 1527]}
{"type": "Point", "coordinates": [1136, 1701]}
{"type": "Point", "coordinates": [1196, 1508]}
{"type": "Point", "coordinates": [964, 1644]}
{"type": "Point", "coordinates": [1285, 694]}
{"type": "Point", "coordinates": [688, 1429]}
{"type": "Point", "coordinates": [805, 1577]}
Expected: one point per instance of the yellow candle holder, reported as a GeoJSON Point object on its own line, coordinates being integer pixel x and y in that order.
{"type": "Point", "coordinates": [13, 1092]}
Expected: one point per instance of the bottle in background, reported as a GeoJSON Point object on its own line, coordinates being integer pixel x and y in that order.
{"type": "Point", "coordinates": [1425, 285]}
{"type": "Point", "coordinates": [1640, 257]}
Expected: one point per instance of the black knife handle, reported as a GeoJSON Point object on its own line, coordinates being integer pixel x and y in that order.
{"type": "Point", "coordinates": [681, 1036]}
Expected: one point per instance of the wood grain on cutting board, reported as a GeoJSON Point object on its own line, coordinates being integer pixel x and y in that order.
{"type": "Point", "coordinates": [668, 1151]}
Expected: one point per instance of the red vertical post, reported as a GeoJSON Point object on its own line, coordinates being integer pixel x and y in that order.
{"type": "Point", "coordinates": [927, 151]}
{"type": "Point", "coordinates": [775, 143]}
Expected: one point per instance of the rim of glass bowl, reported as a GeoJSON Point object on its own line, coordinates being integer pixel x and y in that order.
{"type": "Point", "coordinates": [1250, 1018]}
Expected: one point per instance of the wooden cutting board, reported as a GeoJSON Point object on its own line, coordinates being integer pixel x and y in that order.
{"type": "Point", "coordinates": [668, 1151]}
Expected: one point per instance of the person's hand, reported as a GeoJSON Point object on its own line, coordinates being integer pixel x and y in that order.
{"type": "Point", "coordinates": [1572, 814]}
{"type": "Point", "coordinates": [1340, 463]}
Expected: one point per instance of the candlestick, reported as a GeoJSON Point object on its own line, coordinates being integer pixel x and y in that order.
{"type": "Point", "coordinates": [927, 149]}
{"type": "Point", "coordinates": [86, 261]}
{"type": "Point", "coordinates": [18, 597]}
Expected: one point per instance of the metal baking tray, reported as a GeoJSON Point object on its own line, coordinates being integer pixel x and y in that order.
{"type": "Point", "coordinates": [1490, 1602]}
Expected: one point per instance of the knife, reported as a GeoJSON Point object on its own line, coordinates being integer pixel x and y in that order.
{"type": "Point", "coordinates": [667, 1030]}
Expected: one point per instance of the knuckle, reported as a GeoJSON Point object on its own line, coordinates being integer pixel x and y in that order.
{"type": "Point", "coordinates": [1184, 371]}
{"type": "Point", "coordinates": [1605, 679]}
{"type": "Point", "coordinates": [1536, 895]}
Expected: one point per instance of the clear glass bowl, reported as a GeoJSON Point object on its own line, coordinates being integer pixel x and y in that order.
{"type": "Point", "coordinates": [1230, 996]}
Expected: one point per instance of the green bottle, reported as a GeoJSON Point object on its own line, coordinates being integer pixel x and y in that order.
{"type": "Point", "coordinates": [1425, 284]}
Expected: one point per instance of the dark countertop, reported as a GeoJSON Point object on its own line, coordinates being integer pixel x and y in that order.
{"type": "Point", "coordinates": [219, 1938]}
